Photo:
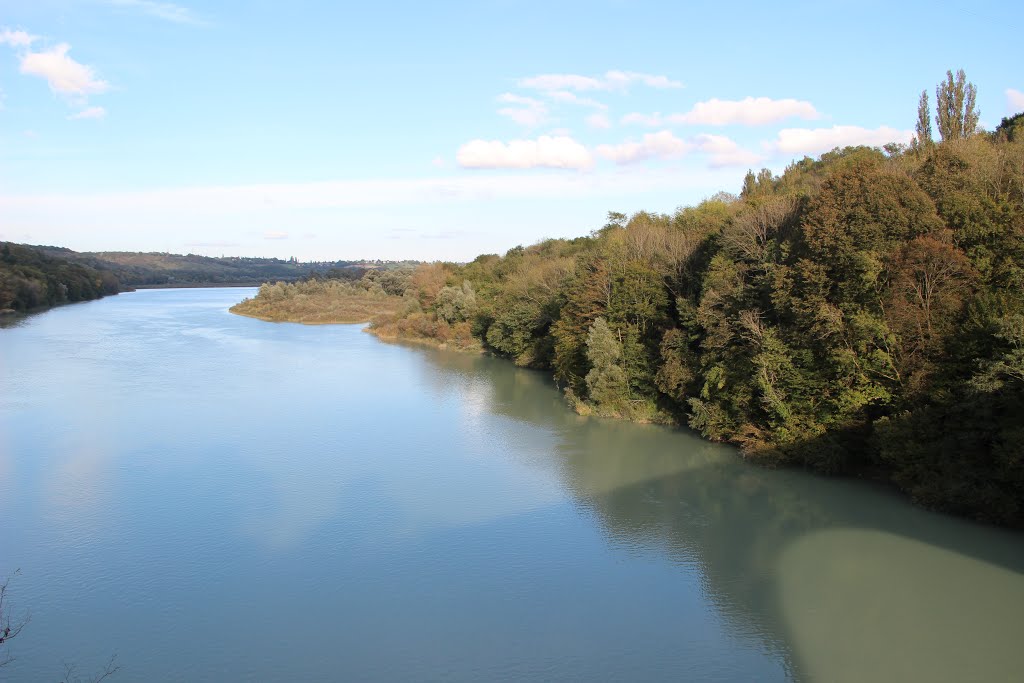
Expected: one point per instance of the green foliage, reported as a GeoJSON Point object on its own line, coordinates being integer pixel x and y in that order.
{"type": "Point", "coordinates": [1007, 364]}
{"type": "Point", "coordinates": [456, 304]}
{"type": "Point", "coordinates": [954, 102]}
{"type": "Point", "coordinates": [607, 385]}
{"type": "Point", "coordinates": [923, 129]}
{"type": "Point", "coordinates": [1011, 128]}
{"type": "Point", "coordinates": [31, 278]}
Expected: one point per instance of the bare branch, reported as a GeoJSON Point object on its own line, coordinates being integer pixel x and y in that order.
{"type": "Point", "coordinates": [109, 670]}
{"type": "Point", "coordinates": [7, 631]}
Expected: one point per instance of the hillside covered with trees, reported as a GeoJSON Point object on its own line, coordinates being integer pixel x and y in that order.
{"type": "Point", "coordinates": [29, 278]}
{"type": "Point", "coordinates": [157, 269]}
{"type": "Point", "coordinates": [861, 314]}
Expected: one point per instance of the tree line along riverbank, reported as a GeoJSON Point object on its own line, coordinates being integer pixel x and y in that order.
{"type": "Point", "coordinates": [860, 314]}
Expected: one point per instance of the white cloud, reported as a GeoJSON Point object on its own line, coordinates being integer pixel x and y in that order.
{"type": "Point", "coordinates": [720, 150]}
{"type": "Point", "coordinates": [714, 144]}
{"type": "Point", "coordinates": [1014, 100]}
{"type": "Point", "coordinates": [16, 38]}
{"type": "Point", "coordinates": [723, 151]}
{"type": "Point", "coordinates": [660, 145]}
{"type": "Point", "coordinates": [545, 151]}
{"type": "Point", "coordinates": [530, 112]}
{"type": "Point", "coordinates": [599, 121]}
{"type": "Point", "coordinates": [275, 235]}
{"type": "Point", "coordinates": [750, 111]}
{"type": "Point", "coordinates": [612, 80]}
{"type": "Point", "coordinates": [817, 140]}
{"type": "Point", "coordinates": [161, 10]}
{"type": "Point", "coordinates": [573, 98]}
{"type": "Point", "coordinates": [65, 75]}
{"type": "Point", "coordinates": [89, 113]}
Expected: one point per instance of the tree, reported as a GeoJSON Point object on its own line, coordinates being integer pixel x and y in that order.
{"type": "Point", "coordinates": [1011, 128]}
{"type": "Point", "coordinates": [924, 121]}
{"type": "Point", "coordinates": [749, 184]}
{"type": "Point", "coordinates": [588, 293]}
{"type": "Point", "coordinates": [426, 282]}
{"type": "Point", "coordinates": [606, 381]}
{"type": "Point", "coordinates": [954, 103]}
{"type": "Point", "coordinates": [762, 183]}
{"type": "Point", "coordinates": [456, 304]}
{"type": "Point", "coordinates": [7, 631]}
{"type": "Point", "coordinates": [930, 279]}
{"type": "Point", "coordinates": [1009, 365]}
{"type": "Point", "coordinates": [862, 215]}
{"type": "Point", "coordinates": [749, 235]}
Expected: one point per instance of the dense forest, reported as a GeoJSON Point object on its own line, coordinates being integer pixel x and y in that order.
{"type": "Point", "coordinates": [30, 279]}
{"type": "Point", "coordinates": [861, 314]}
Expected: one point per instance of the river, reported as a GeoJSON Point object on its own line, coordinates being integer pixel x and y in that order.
{"type": "Point", "coordinates": [214, 498]}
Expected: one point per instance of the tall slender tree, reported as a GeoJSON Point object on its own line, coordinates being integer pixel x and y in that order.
{"type": "Point", "coordinates": [954, 104]}
{"type": "Point", "coordinates": [924, 121]}
{"type": "Point", "coordinates": [749, 184]}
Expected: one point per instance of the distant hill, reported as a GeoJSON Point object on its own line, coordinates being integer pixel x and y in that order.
{"type": "Point", "coordinates": [34, 277]}
{"type": "Point", "coordinates": [149, 269]}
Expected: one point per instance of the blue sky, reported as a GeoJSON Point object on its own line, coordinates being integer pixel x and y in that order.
{"type": "Point", "coordinates": [442, 130]}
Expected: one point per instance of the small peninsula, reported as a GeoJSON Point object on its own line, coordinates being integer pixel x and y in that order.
{"type": "Point", "coordinates": [320, 302]}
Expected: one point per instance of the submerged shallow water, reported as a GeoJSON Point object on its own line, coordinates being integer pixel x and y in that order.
{"type": "Point", "coordinates": [215, 498]}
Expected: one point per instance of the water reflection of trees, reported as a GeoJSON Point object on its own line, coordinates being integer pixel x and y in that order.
{"type": "Point", "coordinates": [653, 488]}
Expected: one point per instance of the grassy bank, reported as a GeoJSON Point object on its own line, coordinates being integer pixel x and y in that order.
{"type": "Point", "coordinates": [318, 302]}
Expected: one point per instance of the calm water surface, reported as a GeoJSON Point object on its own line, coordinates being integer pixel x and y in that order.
{"type": "Point", "coordinates": [216, 498]}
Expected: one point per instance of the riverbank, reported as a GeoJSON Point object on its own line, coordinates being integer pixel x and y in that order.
{"type": "Point", "coordinates": [385, 335]}
{"type": "Point", "coordinates": [201, 285]}
{"type": "Point", "coordinates": [10, 317]}
{"type": "Point", "coordinates": [271, 319]}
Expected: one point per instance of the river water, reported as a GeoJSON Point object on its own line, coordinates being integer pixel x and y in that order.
{"type": "Point", "coordinates": [214, 498]}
